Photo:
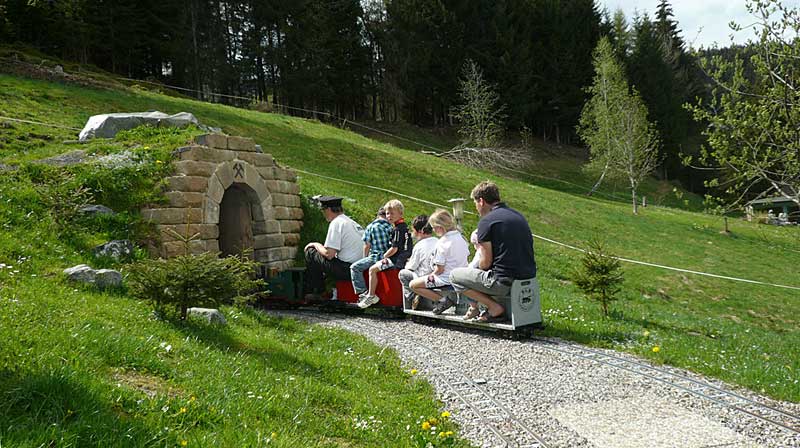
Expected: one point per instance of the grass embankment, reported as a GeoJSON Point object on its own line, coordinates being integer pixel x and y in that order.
{"type": "Point", "coordinates": [746, 334]}
{"type": "Point", "coordinates": [81, 368]}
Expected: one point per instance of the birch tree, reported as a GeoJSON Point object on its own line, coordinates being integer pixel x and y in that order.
{"type": "Point", "coordinates": [622, 142]}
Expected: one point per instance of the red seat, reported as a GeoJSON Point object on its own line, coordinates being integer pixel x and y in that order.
{"type": "Point", "coordinates": [389, 289]}
{"type": "Point", "coordinates": [345, 292]}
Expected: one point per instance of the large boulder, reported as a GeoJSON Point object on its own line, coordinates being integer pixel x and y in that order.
{"type": "Point", "coordinates": [212, 315]}
{"type": "Point", "coordinates": [117, 250]}
{"type": "Point", "coordinates": [108, 125]}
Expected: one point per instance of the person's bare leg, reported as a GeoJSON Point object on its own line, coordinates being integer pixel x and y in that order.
{"type": "Point", "coordinates": [418, 286]}
{"type": "Point", "coordinates": [495, 309]}
{"type": "Point", "coordinates": [373, 278]}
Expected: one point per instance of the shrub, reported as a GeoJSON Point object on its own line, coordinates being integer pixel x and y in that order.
{"type": "Point", "coordinates": [599, 276]}
{"type": "Point", "coordinates": [64, 197]}
{"type": "Point", "coordinates": [193, 280]}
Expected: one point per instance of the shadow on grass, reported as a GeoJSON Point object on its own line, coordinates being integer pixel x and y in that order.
{"type": "Point", "coordinates": [59, 409]}
{"type": "Point", "coordinates": [275, 356]}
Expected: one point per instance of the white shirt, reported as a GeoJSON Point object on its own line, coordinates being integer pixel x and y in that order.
{"type": "Point", "coordinates": [452, 252]}
{"type": "Point", "coordinates": [421, 258]}
{"type": "Point", "coordinates": [344, 236]}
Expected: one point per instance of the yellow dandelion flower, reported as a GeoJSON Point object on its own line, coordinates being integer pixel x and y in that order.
{"type": "Point", "coordinates": [273, 435]}
{"type": "Point", "coordinates": [159, 162]}
{"type": "Point", "coordinates": [426, 426]}
{"type": "Point", "coordinates": [433, 420]}
{"type": "Point", "coordinates": [192, 399]}
{"type": "Point", "coordinates": [184, 443]}
{"type": "Point", "coordinates": [441, 434]}
{"type": "Point", "coordinates": [656, 349]}
{"type": "Point", "coordinates": [413, 371]}
{"type": "Point", "coordinates": [182, 410]}
{"type": "Point", "coordinates": [445, 414]}
{"type": "Point", "coordinates": [449, 433]}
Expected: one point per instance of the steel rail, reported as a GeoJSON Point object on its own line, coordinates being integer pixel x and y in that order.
{"type": "Point", "coordinates": [496, 417]}
{"type": "Point", "coordinates": [696, 387]}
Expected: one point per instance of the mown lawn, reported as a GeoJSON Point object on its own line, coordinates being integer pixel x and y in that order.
{"type": "Point", "coordinates": [742, 333]}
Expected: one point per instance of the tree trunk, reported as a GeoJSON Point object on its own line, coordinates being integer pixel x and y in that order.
{"type": "Point", "coordinates": [633, 198]}
{"type": "Point", "coordinates": [599, 181]}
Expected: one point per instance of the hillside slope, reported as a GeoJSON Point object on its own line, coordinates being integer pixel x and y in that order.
{"type": "Point", "coordinates": [736, 331]}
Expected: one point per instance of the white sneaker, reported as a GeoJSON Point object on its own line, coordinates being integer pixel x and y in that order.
{"type": "Point", "coordinates": [367, 301]}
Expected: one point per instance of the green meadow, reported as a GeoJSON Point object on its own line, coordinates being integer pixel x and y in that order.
{"type": "Point", "coordinates": [86, 368]}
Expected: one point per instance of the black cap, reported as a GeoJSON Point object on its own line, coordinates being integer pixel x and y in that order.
{"type": "Point", "coordinates": [329, 201]}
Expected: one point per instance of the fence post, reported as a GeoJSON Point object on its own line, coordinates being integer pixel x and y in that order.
{"type": "Point", "coordinates": [458, 212]}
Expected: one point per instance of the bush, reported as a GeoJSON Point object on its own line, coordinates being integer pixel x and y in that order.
{"type": "Point", "coordinates": [193, 280]}
{"type": "Point", "coordinates": [600, 276]}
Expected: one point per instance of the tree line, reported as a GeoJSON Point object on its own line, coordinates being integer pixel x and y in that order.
{"type": "Point", "coordinates": [385, 60]}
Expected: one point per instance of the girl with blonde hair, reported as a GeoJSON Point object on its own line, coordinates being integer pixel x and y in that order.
{"type": "Point", "coordinates": [452, 251]}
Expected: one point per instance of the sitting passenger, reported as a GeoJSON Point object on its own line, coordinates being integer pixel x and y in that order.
{"type": "Point", "coordinates": [342, 246]}
{"type": "Point", "coordinates": [452, 252]}
{"type": "Point", "coordinates": [376, 243]}
{"type": "Point", "coordinates": [474, 307]}
{"type": "Point", "coordinates": [420, 264]}
{"type": "Point", "coordinates": [505, 244]}
{"type": "Point", "coordinates": [395, 257]}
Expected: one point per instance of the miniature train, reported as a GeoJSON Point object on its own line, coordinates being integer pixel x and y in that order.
{"type": "Point", "coordinates": [522, 304]}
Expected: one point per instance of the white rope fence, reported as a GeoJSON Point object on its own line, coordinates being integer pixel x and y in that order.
{"type": "Point", "coordinates": [549, 240]}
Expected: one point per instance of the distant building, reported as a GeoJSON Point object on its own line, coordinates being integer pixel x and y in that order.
{"type": "Point", "coordinates": [778, 205]}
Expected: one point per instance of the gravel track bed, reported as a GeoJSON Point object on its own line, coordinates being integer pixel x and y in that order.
{"type": "Point", "coordinates": [537, 385]}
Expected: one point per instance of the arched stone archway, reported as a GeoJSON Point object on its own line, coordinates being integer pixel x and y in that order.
{"type": "Point", "coordinates": [223, 178]}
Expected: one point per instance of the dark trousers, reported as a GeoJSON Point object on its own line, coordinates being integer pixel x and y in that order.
{"type": "Point", "coordinates": [318, 266]}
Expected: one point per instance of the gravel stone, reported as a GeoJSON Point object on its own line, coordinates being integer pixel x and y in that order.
{"type": "Point", "coordinates": [566, 400]}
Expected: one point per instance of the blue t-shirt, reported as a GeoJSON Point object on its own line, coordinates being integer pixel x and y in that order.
{"type": "Point", "coordinates": [512, 243]}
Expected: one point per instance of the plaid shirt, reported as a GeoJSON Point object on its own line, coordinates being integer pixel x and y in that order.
{"type": "Point", "coordinates": [378, 234]}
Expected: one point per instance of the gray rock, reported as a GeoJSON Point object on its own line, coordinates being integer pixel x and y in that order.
{"type": "Point", "coordinates": [108, 125]}
{"type": "Point", "coordinates": [107, 278]}
{"type": "Point", "coordinates": [80, 273]}
{"type": "Point", "coordinates": [259, 149]}
{"type": "Point", "coordinates": [117, 249]}
{"type": "Point", "coordinates": [4, 167]}
{"type": "Point", "coordinates": [96, 210]}
{"type": "Point", "coordinates": [213, 316]}
{"type": "Point", "coordinates": [104, 278]}
{"type": "Point", "coordinates": [70, 158]}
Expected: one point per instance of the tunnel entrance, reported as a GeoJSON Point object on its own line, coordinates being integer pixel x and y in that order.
{"type": "Point", "coordinates": [236, 221]}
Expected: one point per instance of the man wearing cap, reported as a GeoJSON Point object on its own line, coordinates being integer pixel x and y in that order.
{"type": "Point", "coordinates": [343, 246]}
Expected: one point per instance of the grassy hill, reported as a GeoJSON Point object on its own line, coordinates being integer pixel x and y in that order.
{"type": "Point", "coordinates": [742, 333]}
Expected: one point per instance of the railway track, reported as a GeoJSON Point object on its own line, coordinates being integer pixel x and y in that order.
{"type": "Point", "coordinates": [769, 414]}
{"type": "Point", "coordinates": [509, 430]}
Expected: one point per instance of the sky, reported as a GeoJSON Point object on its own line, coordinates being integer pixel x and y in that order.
{"type": "Point", "coordinates": [703, 22]}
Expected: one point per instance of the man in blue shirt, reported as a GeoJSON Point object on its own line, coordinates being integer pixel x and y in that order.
{"type": "Point", "coordinates": [505, 247]}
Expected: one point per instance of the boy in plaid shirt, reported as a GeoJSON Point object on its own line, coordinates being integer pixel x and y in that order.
{"type": "Point", "coordinates": [376, 242]}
